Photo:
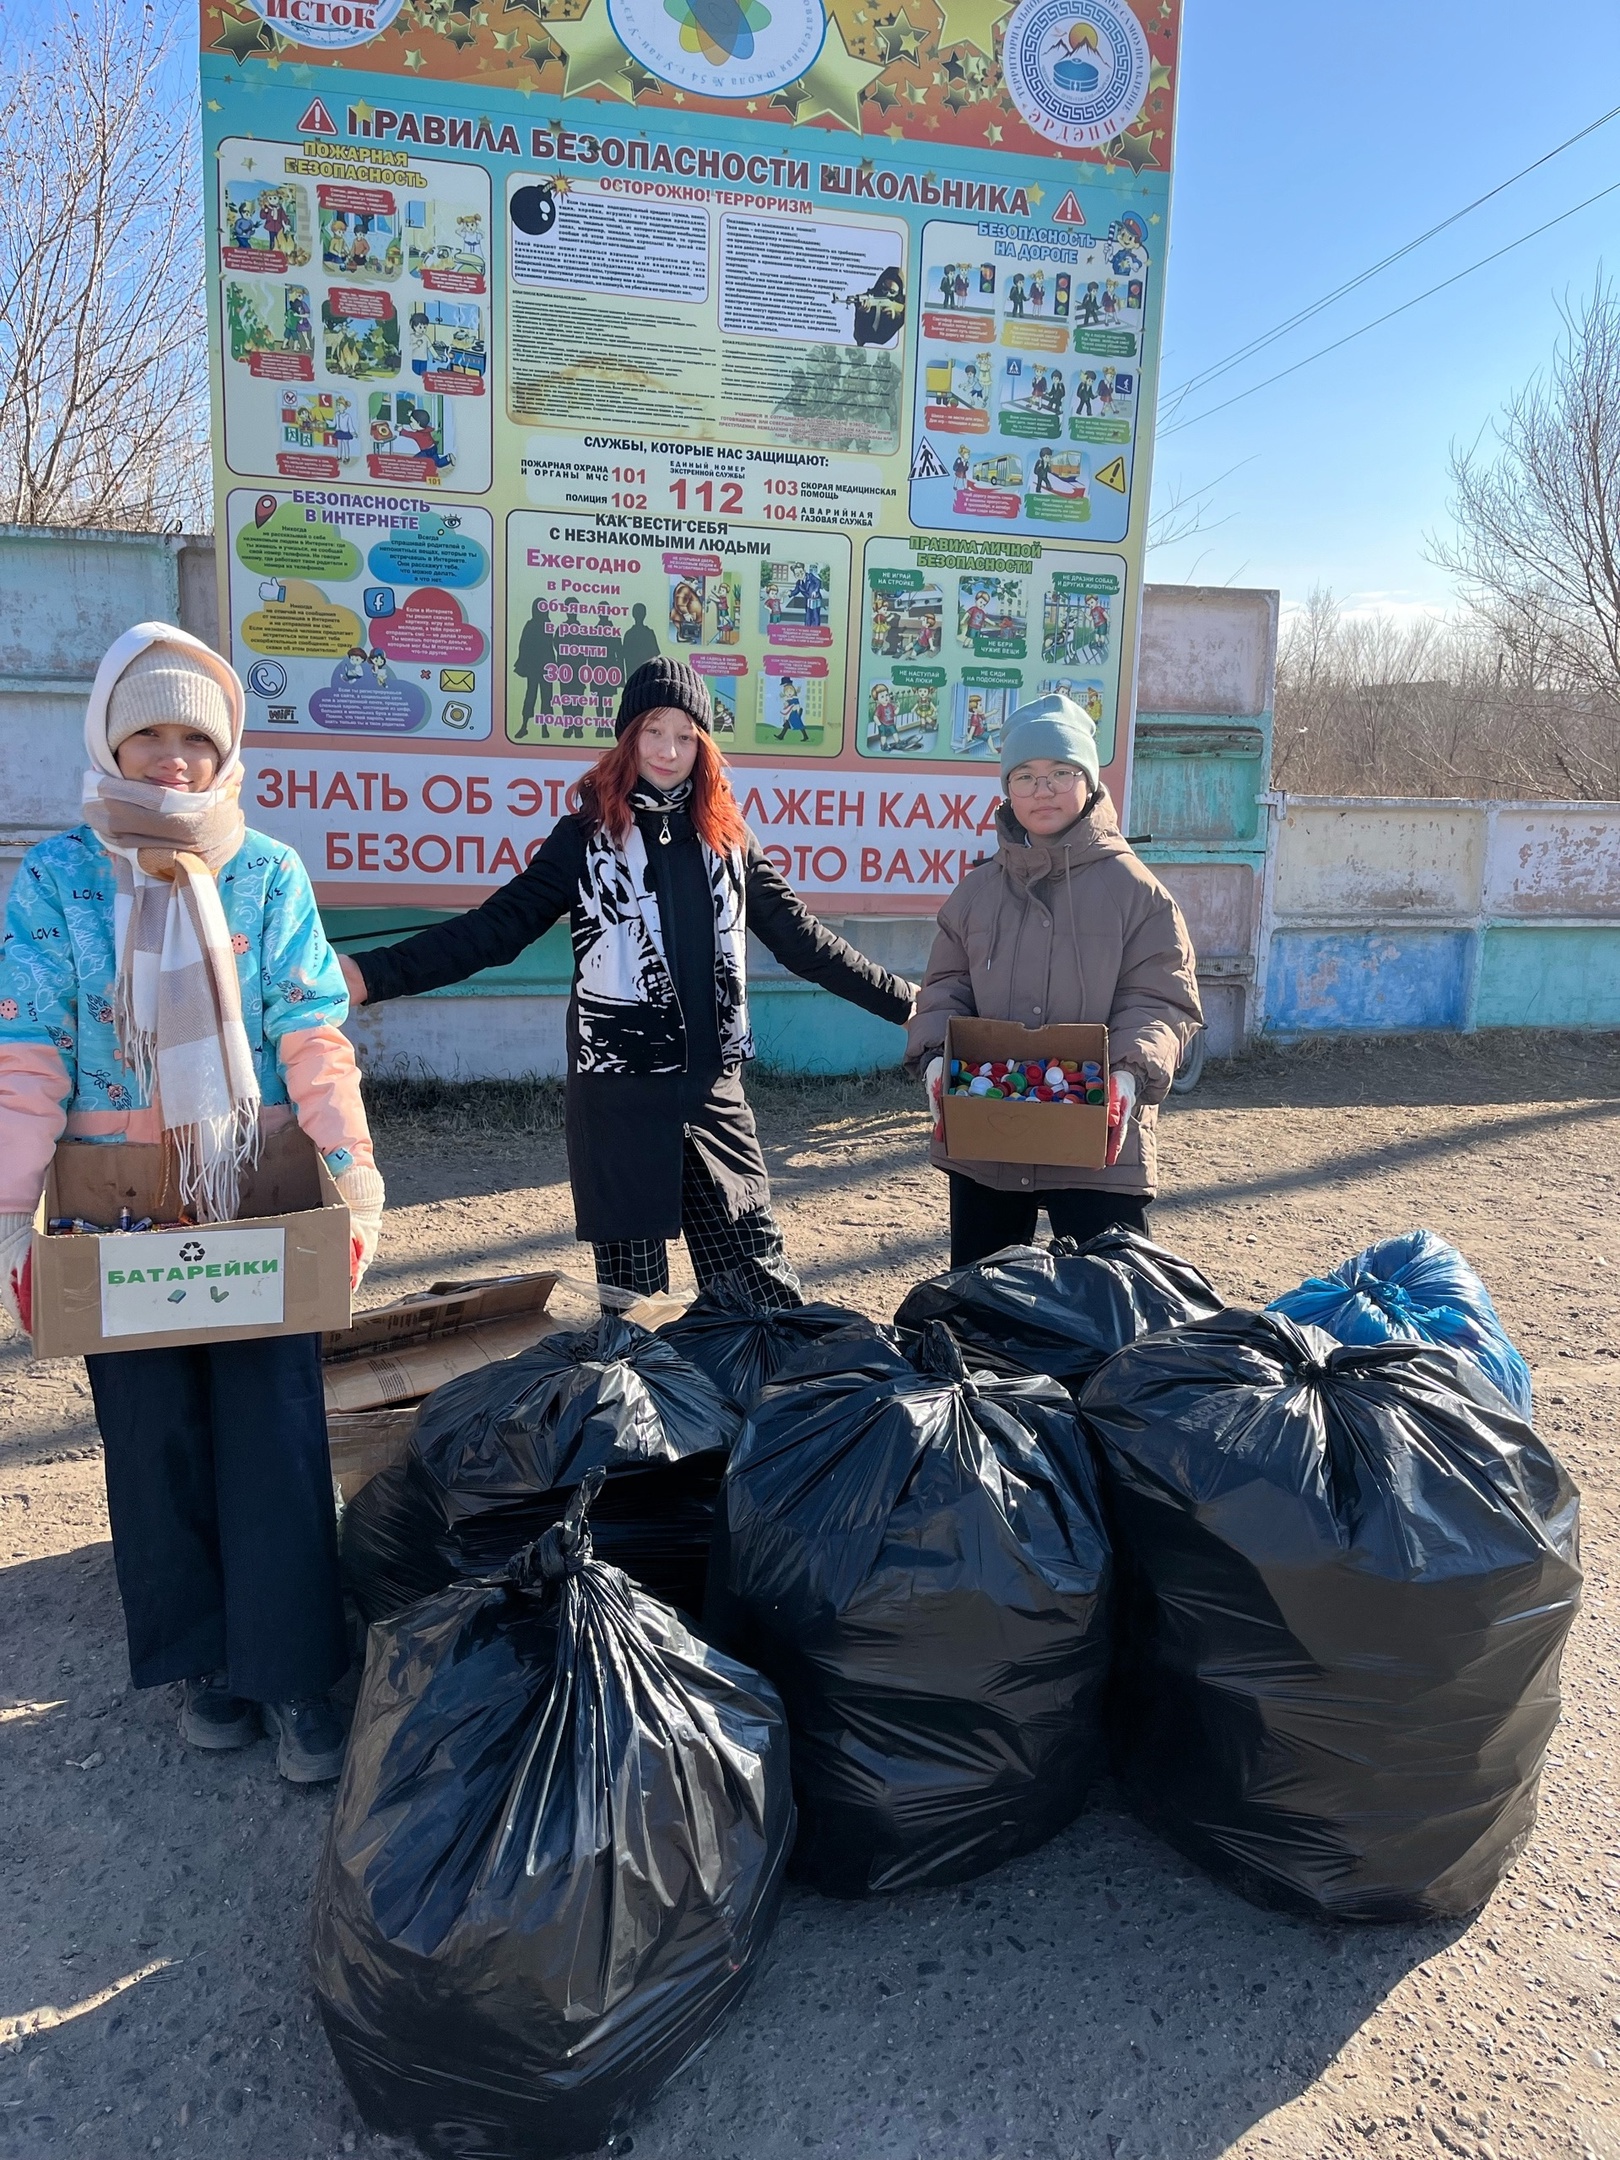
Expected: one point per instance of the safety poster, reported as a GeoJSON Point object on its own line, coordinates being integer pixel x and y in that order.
{"type": "Point", "coordinates": [812, 344]}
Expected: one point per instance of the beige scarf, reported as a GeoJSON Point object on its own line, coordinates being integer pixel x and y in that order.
{"type": "Point", "coordinates": [178, 1006]}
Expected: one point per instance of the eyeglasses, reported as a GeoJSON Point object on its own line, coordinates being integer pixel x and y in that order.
{"type": "Point", "coordinates": [1057, 782]}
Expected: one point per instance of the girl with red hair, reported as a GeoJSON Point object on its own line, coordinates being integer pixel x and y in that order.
{"type": "Point", "coordinates": [661, 881]}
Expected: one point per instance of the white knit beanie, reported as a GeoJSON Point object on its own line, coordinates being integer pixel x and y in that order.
{"type": "Point", "coordinates": [166, 685]}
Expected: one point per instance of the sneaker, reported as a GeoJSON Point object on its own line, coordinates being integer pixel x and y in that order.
{"type": "Point", "coordinates": [212, 1717]}
{"type": "Point", "coordinates": [309, 1739]}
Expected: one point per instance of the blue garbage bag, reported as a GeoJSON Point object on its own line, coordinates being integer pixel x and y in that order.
{"type": "Point", "coordinates": [1415, 1288]}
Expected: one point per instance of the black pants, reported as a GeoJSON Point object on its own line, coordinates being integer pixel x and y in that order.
{"type": "Point", "coordinates": [983, 1220]}
{"type": "Point", "coordinates": [716, 1242]}
{"type": "Point", "coordinates": [219, 1487]}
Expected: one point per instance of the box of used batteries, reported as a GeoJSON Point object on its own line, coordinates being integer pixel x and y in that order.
{"type": "Point", "coordinates": [1026, 1095]}
{"type": "Point", "coordinates": [116, 1266]}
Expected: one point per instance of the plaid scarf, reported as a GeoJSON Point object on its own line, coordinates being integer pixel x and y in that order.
{"type": "Point", "coordinates": [178, 1005]}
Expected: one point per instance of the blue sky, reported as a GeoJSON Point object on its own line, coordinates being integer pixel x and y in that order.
{"type": "Point", "coordinates": [1315, 138]}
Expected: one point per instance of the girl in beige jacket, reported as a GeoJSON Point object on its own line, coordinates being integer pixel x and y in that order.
{"type": "Point", "coordinates": [1063, 924]}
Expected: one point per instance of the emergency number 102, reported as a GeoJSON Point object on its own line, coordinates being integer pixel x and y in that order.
{"type": "Point", "coordinates": [627, 477]}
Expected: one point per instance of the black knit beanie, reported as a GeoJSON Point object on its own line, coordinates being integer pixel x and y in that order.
{"type": "Point", "coordinates": [665, 682]}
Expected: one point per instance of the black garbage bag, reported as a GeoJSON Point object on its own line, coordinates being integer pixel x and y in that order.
{"type": "Point", "coordinates": [744, 1326]}
{"type": "Point", "coordinates": [917, 1559]}
{"type": "Point", "coordinates": [1347, 1573]}
{"type": "Point", "coordinates": [554, 1861]}
{"type": "Point", "coordinates": [496, 1455]}
{"type": "Point", "coordinates": [1060, 1308]}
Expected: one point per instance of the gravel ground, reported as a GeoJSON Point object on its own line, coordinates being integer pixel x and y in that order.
{"type": "Point", "coordinates": [1096, 2001]}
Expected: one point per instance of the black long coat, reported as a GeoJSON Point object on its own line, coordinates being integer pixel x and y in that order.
{"type": "Point", "coordinates": [626, 1131]}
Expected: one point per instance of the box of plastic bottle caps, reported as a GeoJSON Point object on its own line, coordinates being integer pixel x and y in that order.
{"type": "Point", "coordinates": [1026, 1095]}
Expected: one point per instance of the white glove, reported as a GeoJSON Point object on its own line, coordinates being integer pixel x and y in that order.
{"type": "Point", "coordinates": [934, 1084]}
{"type": "Point", "coordinates": [16, 1245]}
{"type": "Point", "coordinates": [1121, 1106]}
{"type": "Point", "coordinates": [362, 1190]}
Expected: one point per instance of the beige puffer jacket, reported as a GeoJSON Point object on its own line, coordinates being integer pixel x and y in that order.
{"type": "Point", "coordinates": [1071, 929]}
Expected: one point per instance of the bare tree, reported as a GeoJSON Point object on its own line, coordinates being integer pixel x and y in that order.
{"type": "Point", "coordinates": [103, 344]}
{"type": "Point", "coordinates": [1370, 704]}
{"type": "Point", "coordinates": [1537, 546]}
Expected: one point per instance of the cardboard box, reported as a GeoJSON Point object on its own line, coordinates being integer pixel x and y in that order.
{"type": "Point", "coordinates": [981, 1128]}
{"type": "Point", "coordinates": [281, 1268]}
{"type": "Point", "coordinates": [399, 1353]}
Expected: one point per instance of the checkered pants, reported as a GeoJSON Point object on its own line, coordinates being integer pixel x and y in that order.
{"type": "Point", "coordinates": [714, 1242]}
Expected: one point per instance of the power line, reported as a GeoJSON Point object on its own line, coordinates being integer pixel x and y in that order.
{"type": "Point", "coordinates": [1349, 337]}
{"type": "Point", "coordinates": [1293, 322]}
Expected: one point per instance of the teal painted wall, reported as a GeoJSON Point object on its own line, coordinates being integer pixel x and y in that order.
{"type": "Point", "coordinates": [1531, 976]}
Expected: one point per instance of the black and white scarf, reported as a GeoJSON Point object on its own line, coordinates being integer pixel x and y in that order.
{"type": "Point", "coordinates": [629, 1018]}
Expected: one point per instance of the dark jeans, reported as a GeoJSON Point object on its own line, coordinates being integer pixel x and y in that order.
{"type": "Point", "coordinates": [219, 1487]}
{"type": "Point", "coordinates": [983, 1220]}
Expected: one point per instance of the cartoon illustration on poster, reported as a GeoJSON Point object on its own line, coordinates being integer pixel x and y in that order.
{"type": "Point", "coordinates": [767, 631]}
{"type": "Point", "coordinates": [354, 618]}
{"type": "Point", "coordinates": [547, 340]}
{"type": "Point", "coordinates": [354, 316]}
{"type": "Point", "coordinates": [956, 634]}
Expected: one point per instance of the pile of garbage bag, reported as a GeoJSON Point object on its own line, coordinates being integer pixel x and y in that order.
{"type": "Point", "coordinates": [1415, 1288]}
{"type": "Point", "coordinates": [1062, 1308]}
{"type": "Point", "coordinates": [743, 1327]}
{"type": "Point", "coordinates": [1347, 1573]}
{"type": "Point", "coordinates": [496, 1455]}
{"type": "Point", "coordinates": [554, 1861]}
{"type": "Point", "coordinates": [915, 1555]}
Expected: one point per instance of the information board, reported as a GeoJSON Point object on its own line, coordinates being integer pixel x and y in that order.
{"type": "Point", "coordinates": [814, 344]}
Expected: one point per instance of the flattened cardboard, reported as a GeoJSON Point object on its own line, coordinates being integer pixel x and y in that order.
{"type": "Point", "coordinates": [289, 1189]}
{"type": "Point", "coordinates": [980, 1128]}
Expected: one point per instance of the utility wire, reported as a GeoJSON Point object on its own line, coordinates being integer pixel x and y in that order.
{"type": "Point", "coordinates": [1293, 322]}
{"type": "Point", "coordinates": [1349, 337]}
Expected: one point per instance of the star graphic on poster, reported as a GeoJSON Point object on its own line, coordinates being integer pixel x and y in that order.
{"type": "Point", "coordinates": [955, 67]}
{"type": "Point", "coordinates": [1134, 150]}
{"type": "Point", "coordinates": [1159, 79]}
{"type": "Point", "coordinates": [881, 96]}
{"type": "Point", "coordinates": [957, 96]}
{"type": "Point", "coordinates": [834, 82]}
{"type": "Point", "coordinates": [594, 55]}
{"type": "Point", "coordinates": [528, 7]}
{"type": "Point", "coordinates": [542, 51]}
{"type": "Point", "coordinates": [413, 59]}
{"type": "Point", "coordinates": [971, 22]}
{"type": "Point", "coordinates": [897, 40]}
{"type": "Point", "coordinates": [506, 40]}
{"type": "Point", "coordinates": [362, 111]}
{"type": "Point", "coordinates": [895, 132]}
{"type": "Point", "coordinates": [640, 79]}
{"type": "Point", "coordinates": [214, 105]}
{"type": "Point", "coordinates": [460, 32]}
{"type": "Point", "coordinates": [1036, 193]}
{"type": "Point", "coordinates": [992, 133]}
{"type": "Point", "coordinates": [790, 97]}
{"type": "Point", "coordinates": [239, 36]}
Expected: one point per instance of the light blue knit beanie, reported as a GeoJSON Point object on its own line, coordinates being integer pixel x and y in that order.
{"type": "Point", "coordinates": [1050, 727]}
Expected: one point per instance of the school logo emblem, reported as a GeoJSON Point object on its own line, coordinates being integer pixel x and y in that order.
{"type": "Point", "coordinates": [1077, 72]}
{"type": "Point", "coordinates": [328, 23]}
{"type": "Point", "coordinates": [722, 48]}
